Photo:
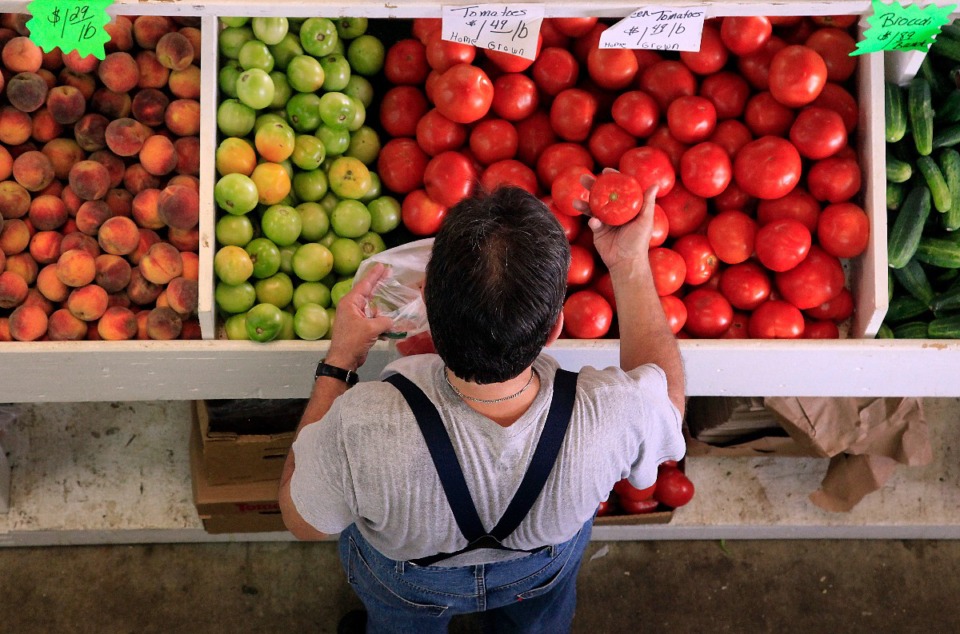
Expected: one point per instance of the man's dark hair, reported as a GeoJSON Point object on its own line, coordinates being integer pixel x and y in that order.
{"type": "Point", "coordinates": [495, 284]}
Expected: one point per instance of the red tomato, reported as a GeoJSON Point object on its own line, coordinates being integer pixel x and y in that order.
{"type": "Point", "coordinates": [708, 313]}
{"type": "Point", "coordinates": [837, 98]}
{"type": "Point", "coordinates": [743, 35]}
{"type": "Point", "coordinates": [820, 329]}
{"type": "Point", "coordinates": [768, 167]}
{"type": "Point", "coordinates": [711, 57]}
{"type": "Point", "coordinates": [608, 142]}
{"type": "Point", "coordinates": [834, 46]}
{"type": "Point", "coordinates": [405, 63]}
{"type": "Point", "coordinates": [449, 178]}
{"type": "Point", "coordinates": [843, 230]}
{"type": "Point", "coordinates": [573, 27]}
{"type": "Point", "coordinates": [420, 215]}
{"type": "Point", "coordinates": [818, 132]}
{"type": "Point", "coordinates": [814, 281]}
{"type": "Point", "coordinates": [493, 140]}
{"type": "Point", "coordinates": [685, 211]}
{"type": "Point", "coordinates": [782, 244]}
{"type": "Point", "coordinates": [639, 507]}
{"type": "Point", "coordinates": [838, 21]}
{"type": "Point", "coordinates": [615, 198]}
{"type": "Point", "coordinates": [509, 63]}
{"type": "Point", "coordinates": [731, 234]}
{"type": "Point", "coordinates": [587, 315]}
{"type": "Point", "coordinates": [691, 119]}
{"type": "Point", "coordinates": [705, 169]}
{"type": "Point", "coordinates": [509, 172]}
{"type": "Point", "coordinates": [401, 165]}
{"type": "Point", "coordinates": [555, 70]}
{"type": "Point", "coordinates": [675, 311]}
{"type": "Point", "coordinates": [666, 80]}
{"type": "Point", "coordinates": [437, 134]}
{"type": "Point", "coordinates": [739, 327]}
{"type": "Point", "coordinates": [731, 135]}
{"type": "Point", "coordinates": [662, 139]}
{"type": "Point", "coordinates": [837, 308]}
{"type": "Point", "coordinates": [584, 44]}
{"type": "Point", "coordinates": [401, 109]}
{"type": "Point", "coordinates": [605, 508]}
{"type": "Point", "coordinates": [560, 156]}
{"type": "Point", "coordinates": [612, 68]}
{"type": "Point", "coordinates": [604, 285]}
{"type": "Point", "coordinates": [776, 319]}
{"type": "Point", "coordinates": [728, 92]}
{"type": "Point", "coordinates": [572, 225]}
{"type": "Point", "coordinates": [582, 266]}
{"type": "Point", "coordinates": [668, 268]}
{"type": "Point", "coordinates": [552, 37]}
{"type": "Point", "coordinates": [798, 205]}
{"type": "Point", "coordinates": [755, 67]}
{"type": "Point", "coordinates": [636, 112]}
{"type": "Point", "coordinates": [567, 188]}
{"type": "Point", "coordinates": [745, 285]}
{"type": "Point", "coordinates": [661, 227]}
{"type": "Point", "coordinates": [733, 198]}
{"type": "Point", "coordinates": [626, 491]}
{"type": "Point", "coordinates": [443, 54]}
{"type": "Point", "coordinates": [430, 86]}
{"type": "Point", "coordinates": [423, 27]}
{"type": "Point", "coordinates": [514, 96]}
{"type": "Point", "coordinates": [701, 262]}
{"type": "Point", "coordinates": [534, 135]}
{"type": "Point", "coordinates": [834, 179]}
{"type": "Point", "coordinates": [572, 113]}
{"type": "Point", "coordinates": [650, 166]}
{"type": "Point", "coordinates": [463, 93]}
{"type": "Point", "coordinates": [764, 115]}
{"type": "Point", "coordinates": [421, 343]}
{"type": "Point", "coordinates": [797, 75]}
{"type": "Point", "coordinates": [674, 488]}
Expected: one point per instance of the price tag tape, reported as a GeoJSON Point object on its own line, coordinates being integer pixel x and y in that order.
{"type": "Point", "coordinates": [512, 29]}
{"type": "Point", "coordinates": [662, 28]}
{"type": "Point", "coordinates": [894, 27]}
{"type": "Point", "coordinates": [70, 25]}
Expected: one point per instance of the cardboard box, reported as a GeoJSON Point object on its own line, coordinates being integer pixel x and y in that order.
{"type": "Point", "coordinates": [713, 424]}
{"type": "Point", "coordinates": [657, 517]}
{"type": "Point", "coordinates": [235, 458]}
{"type": "Point", "coordinates": [250, 507]}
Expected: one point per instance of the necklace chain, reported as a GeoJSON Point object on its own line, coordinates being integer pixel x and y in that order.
{"type": "Point", "coordinates": [488, 400]}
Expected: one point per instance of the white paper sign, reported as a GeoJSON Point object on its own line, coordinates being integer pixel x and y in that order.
{"type": "Point", "coordinates": [662, 28]}
{"type": "Point", "coordinates": [509, 28]}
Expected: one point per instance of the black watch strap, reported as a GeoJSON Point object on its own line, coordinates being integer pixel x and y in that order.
{"type": "Point", "coordinates": [325, 369]}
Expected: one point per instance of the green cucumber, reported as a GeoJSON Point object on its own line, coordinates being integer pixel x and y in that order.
{"type": "Point", "coordinates": [898, 171]}
{"type": "Point", "coordinates": [911, 330]}
{"type": "Point", "coordinates": [947, 137]}
{"type": "Point", "coordinates": [940, 85]}
{"type": "Point", "coordinates": [884, 332]}
{"type": "Point", "coordinates": [905, 307]}
{"type": "Point", "coordinates": [907, 227]}
{"type": "Point", "coordinates": [895, 111]}
{"type": "Point", "coordinates": [949, 300]}
{"type": "Point", "coordinates": [942, 252]}
{"type": "Point", "coordinates": [895, 194]}
{"type": "Point", "coordinates": [948, 47]}
{"type": "Point", "coordinates": [949, 110]}
{"type": "Point", "coordinates": [950, 166]}
{"type": "Point", "coordinates": [914, 280]}
{"type": "Point", "coordinates": [939, 192]}
{"type": "Point", "coordinates": [944, 327]}
{"type": "Point", "coordinates": [920, 104]}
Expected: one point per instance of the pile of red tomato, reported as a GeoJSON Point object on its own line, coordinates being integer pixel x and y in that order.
{"type": "Point", "coordinates": [671, 490]}
{"type": "Point", "coordinates": [749, 140]}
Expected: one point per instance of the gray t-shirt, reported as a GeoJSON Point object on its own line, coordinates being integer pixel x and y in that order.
{"type": "Point", "coordinates": [366, 460]}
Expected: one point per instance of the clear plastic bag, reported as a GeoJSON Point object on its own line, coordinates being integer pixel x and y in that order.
{"type": "Point", "coordinates": [398, 295]}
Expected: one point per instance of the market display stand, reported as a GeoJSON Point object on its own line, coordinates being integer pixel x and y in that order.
{"type": "Point", "coordinates": [104, 456]}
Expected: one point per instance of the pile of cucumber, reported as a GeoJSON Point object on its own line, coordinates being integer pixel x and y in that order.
{"type": "Point", "coordinates": [923, 197]}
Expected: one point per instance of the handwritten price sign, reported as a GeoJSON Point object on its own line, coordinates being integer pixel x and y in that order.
{"type": "Point", "coordinates": [662, 28]}
{"type": "Point", "coordinates": [70, 25]}
{"type": "Point", "coordinates": [509, 29]}
{"type": "Point", "coordinates": [894, 27]}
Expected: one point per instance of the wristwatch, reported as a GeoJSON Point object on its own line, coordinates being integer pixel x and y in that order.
{"type": "Point", "coordinates": [325, 369]}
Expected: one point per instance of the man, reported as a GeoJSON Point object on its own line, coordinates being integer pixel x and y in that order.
{"type": "Point", "coordinates": [467, 481]}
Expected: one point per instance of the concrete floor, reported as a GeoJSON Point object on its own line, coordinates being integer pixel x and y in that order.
{"type": "Point", "coordinates": [847, 586]}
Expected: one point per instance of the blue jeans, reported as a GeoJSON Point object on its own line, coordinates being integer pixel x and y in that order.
{"type": "Point", "coordinates": [535, 593]}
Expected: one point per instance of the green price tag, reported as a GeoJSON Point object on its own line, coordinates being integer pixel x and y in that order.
{"type": "Point", "coordinates": [894, 27]}
{"type": "Point", "coordinates": [70, 25]}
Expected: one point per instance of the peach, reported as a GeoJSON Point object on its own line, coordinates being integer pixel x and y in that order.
{"type": "Point", "coordinates": [148, 238]}
{"type": "Point", "coordinates": [183, 117]}
{"type": "Point", "coordinates": [141, 325]}
{"type": "Point", "coordinates": [47, 212]}
{"type": "Point", "coordinates": [3, 259]}
{"type": "Point", "coordinates": [28, 323]}
{"type": "Point", "coordinates": [161, 301]}
{"type": "Point", "coordinates": [45, 246]}
{"type": "Point", "coordinates": [21, 55]}
{"type": "Point", "coordinates": [90, 132]}
{"type": "Point", "coordinates": [136, 179]}
{"type": "Point", "coordinates": [79, 240]}
{"type": "Point", "coordinates": [193, 34]}
{"type": "Point", "coordinates": [27, 91]}
{"type": "Point", "coordinates": [153, 74]}
{"type": "Point", "coordinates": [15, 126]}
{"type": "Point", "coordinates": [118, 323]}
{"type": "Point", "coordinates": [179, 207]}
{"type": "Point", "coordinates": [140, 290]}
{"type": "Point", "coordinates": [119, 298]}
{"type": "Point", "coordinates": [36, 298]}
{"type": "Point", "coordinates": [120, 202]}
{"type": "Point", "coordinates": [191, 265]}
{"type": "Point", "coordinates": [33, 170]}
{"type": "Point", "coordinates": [78, 64]}
{"type": "Point", "coordinates": [66, 104]}
{"type": "Point", "coordinates": [148, 106]}
{"type": "Point", "coordinates": [23, 265]}
{"type": "Point", "coordinates": [185, 83]}
{"type": "Point", "coordinates": [53, 189]}
{"type": "Point", "coordinates": [5, 325]}
{"type": "Point", "coordinates": [63, 326]}
{"type": "Point", "coordinates": [114, 164]}
{"type": "Point", "coordinates": [45, 129]}
{"type": "Point", "coordinates": [13, 289]}
{"type": "Point", "coordinates": [119, 235]}
{"type": "Point", "coordinates": [158, 155]}
{"type": "Point", "coordinates": [111, 104]}
{"type": "Point", "coordinates": [145, 209]}
{"type": "Point", "coordinates": [87, 302]}
{"type": "Point", "coordinates": [52, 60]}
{"type": "Point", "coordinates": [182, 295]}
{"type": "Point", "coordinates": [14, 237]}
{"type": "Point", "coordinates": [148, 29]}
{"type": "Point", "coordinates": [85, 83]}
{"type": "Point", "coordinates": [119, 72]}
{"type": "Point", "coordinates": [50, 285]}
{"type": "Point", "coordinates": [76, 267]}
{"type": "Point", "coordinates": [191, 329]}
{"type": "Point", "coordinates": [89, 180]}
{"type": "Point", "coordinates": [188, 155]}
{"type": "Point", "coordinates": [163, 324]}
{"type": "Point", "coordinates": [113, 272]}
{"type": "Point", "coordinates": [6, 163]}
{"type": "Point", "coordinates": [14, 199]}
{"type": "Point", "coordinates": [48, 77]}
{"type": "Point", "coordinates": [91, 215]}
{"type": "Point", "coordinates": [186, 180]}
{"type": "Point", "coordinates": [184, 239]}
{"type": "Point", "coordinates": [175, 51]}
{"type": "Point", "coordinates": [71, 200]}
{"type": "Point", "coordinates": [121, 34]}
{"type": "Point", "coordinates": [161, 263]}
{"type": "Point", "coordinates": [63, 153]}
{"type": "Point", "coordinates": [125, 136]}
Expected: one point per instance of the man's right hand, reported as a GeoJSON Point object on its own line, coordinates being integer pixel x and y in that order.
{"type": "Point", "coordinates": [628, 243]}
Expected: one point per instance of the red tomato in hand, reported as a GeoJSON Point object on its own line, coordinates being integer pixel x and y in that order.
{"type": "Point", "coordinates": [650, 166]}
{"type": "Point", "coordinates": [514, 96]}
{"type": "Point", "coordinates": [675, 311]}
{"type": "Point", "coordinates": [420, 215]}
{"type": "Point", "coordinates": [745, 285]}
{"type": "Point", "coordinates": [493, 140]}
{"type": "Point", "coordinates": [669, 270]}
{"type": "Point", "coordinates": [701, 262]}
{"type": "Point", "coordinates": [768, 167]}
{"type": "Point", "coordinates": [705, 169]}
{"type": "Point", "coordinates": [555, 70]}
{"type": "Point", "coordinates": [449, 178]}
{"type": "Point", "coordinates": [818, 132]}
{"type": "Point", "coordinates": [636, 112]}
{"type": "Point", "coordinates": [814, 281]}
{"type": "Point", "coordinates": [782, 244]}
{"type": "Point", "coordinates": [797, 75]}
{"type": "Point", "coordinates": [401, 165]}
{"type": "Point", "coordinates": [843, 230]}
{"type": "Point", "coordinates": [572, 113]}
{"type": "Point", "coordinates": [691, 119]}
{"type": "Point", "coordinates": [674, 488]}
{"type": "Point", "coordinates": [437, 134]}
{"type": "Point", "coordinates": [587, 315]}
{"type": "Point", "coordinates": [776, 319]}
{"type": "Point", "coordinates": [615, 198]}
{"type": "Point", "coordinates": [567, 188]}
{"type": "Point", "coordinates": [708, 313]}
{"type": "Point", "coordinates": [731, 234]}
{"type": "Point", "coordinates": [463, 93]}
{"type": "Point", "coordinates": [743, 35]}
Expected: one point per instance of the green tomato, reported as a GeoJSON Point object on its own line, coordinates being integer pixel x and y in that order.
{"type": "Point", "coordinates": [340, 289]}
{"type": "Point", "coordinates": [366, 54]}
{"type": "Point", "coordinates": [371, 244]}
{"type": "Point", "coordinates": [282, 92]}
{"type": "Point", "coordinates": [255, 54]}
{"type": "Point", "coordinates": [360, 88]}
{"type": "Point", "coordinates": [236, 193]}
{"type": "Point", "coordinates": [335, 141]}
{"type": "Point", "coordinates": [337, 110]}
{"type": "Point", "coordinates": [364, 145]}
{"type": "Point", "coordinates": [303, 112]}
{"type": "Point", "coordinates": [269, 30]}
{"type": "Point", "coordinates": [327, 240]}
{"type": "Point", "coordinates": [336, 72]}
{"type": "Point", "coordinates": [236, 327]}
{"type": "Point", "coordinates": [255, 89]}
{"type": "Point", "coordinates": [287, 330]}
{"type": "Point", "coordinates": [347, 256]}
{"type": "Point", "coordinates": [349, 177]}
{"type": "Point", "coordinates": [234, 21]}
{"type": "Point", "coordinates": [227, 77]}
{"type": "Point", "coordinates": [235, 298]}
{"type": "Point", "coordinates": [235, 118]}
{"type": "Point", "coordinates": [265, 256]}
{"type": "Point", "coordinates": [332, 311]}
{"type": "Point", "coordinates": [311, 293]}
{"type": "Point", "coordinates": [315, 221]}
{"type": "Point", "coordinates": [311, 322]}
{"type": "Point", "coordinates": [384, 214]}
{"type": "Point", "coordinates": [318, 36]}
{"type": "Point", "coordinates": [375, 191]}
{"type": "Point", "coordinates": [276, 289]}
{"type": "Point", "coordinates": [312, 262]}
{"type": "Point", "coordinates": [288, 48]}
{"type": "Point", "coordinates": [308, 152]}
{"type": "Point", "coordinates": [231, 40]}
{"type": "Point", "coordinates": [286, 257]}
{"type": "Point", "coordinates": [234, 230]}
{"type": "Point", "coordinates": [350, 219]}
{"type": "Point", "coordinates": [282, 224]}
{"type": "Point", "coordinates": [310, 186]}
{"type": "Point", "coordinates": [232, 265]}
{"type": "Point", "coordinates": [265, 119]}
{"type": "Point", "coordinates": [264, 322]}
{"type": "Point", "coordinates": [349, 28]}
{"type": "Point", "coordinates": [359, 116]}
{"type": "Point", "coordinates": [306, 73]}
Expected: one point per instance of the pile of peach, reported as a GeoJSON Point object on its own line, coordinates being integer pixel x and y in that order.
{"type": "Point", "coordinates": [99, 184]}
